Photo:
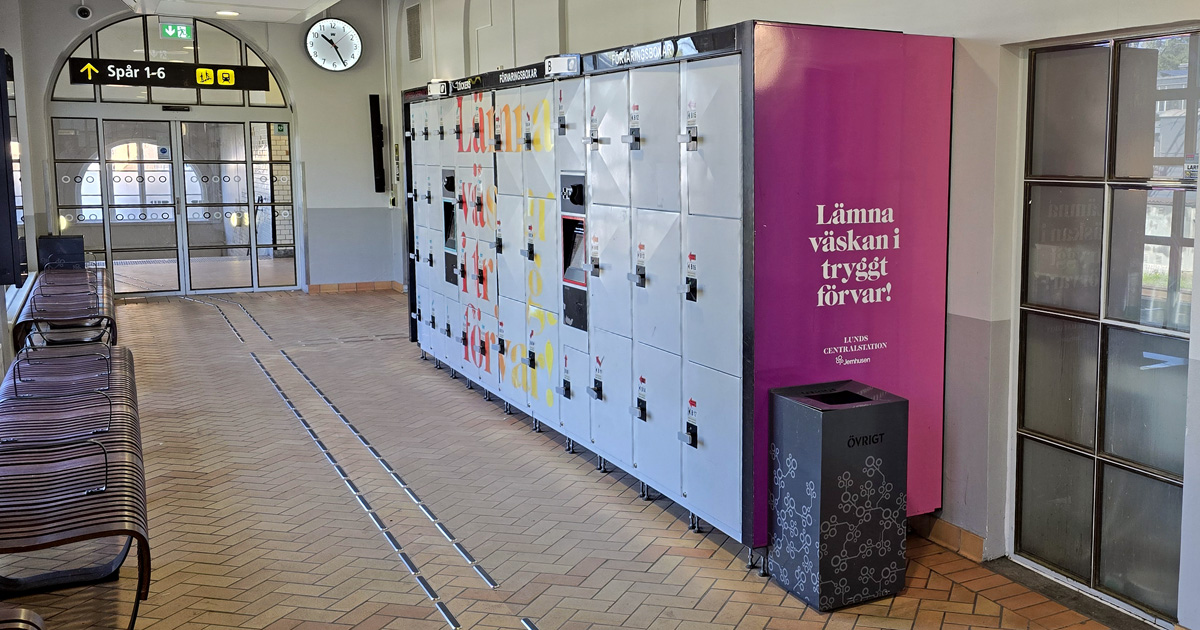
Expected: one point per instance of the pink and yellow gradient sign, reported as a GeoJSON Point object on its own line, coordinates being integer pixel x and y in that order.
{"type": "Point", "coordinates": [851, 185]}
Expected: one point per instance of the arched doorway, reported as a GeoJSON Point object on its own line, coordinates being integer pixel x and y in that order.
{"type": "Point", "coordinates": [177, 190]}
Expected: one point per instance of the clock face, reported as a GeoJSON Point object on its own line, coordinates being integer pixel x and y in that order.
{"type": "Point", "coordinates": [333, 45]}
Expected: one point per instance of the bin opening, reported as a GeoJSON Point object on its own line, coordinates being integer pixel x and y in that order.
{"type": "Point", "coordinates": [839, 398]}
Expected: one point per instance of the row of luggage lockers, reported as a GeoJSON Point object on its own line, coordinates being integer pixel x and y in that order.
{"type": "Point", "coordinates": [579, 253]}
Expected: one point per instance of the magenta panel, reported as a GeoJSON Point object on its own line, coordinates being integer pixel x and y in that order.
{"type": "Point", "coordinates": [851, 181]}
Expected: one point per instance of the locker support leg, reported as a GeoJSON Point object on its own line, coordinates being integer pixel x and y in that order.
{"type": "Point", "coordinates": [762, 566]}
{"type": "Point", "coordinates": [470, 385]}
{"type": "Point", "coordinates": [537, 426]}
{"type": "Point", "coordinates": [437, 365]}
{"type": "Point", "coordinates": [750, 562]}
{"type": "Point", "coordinates": [423, 358]}
{"type": "Point", "coordinates": [600, 464]}
{"type": "Point", "coordinates": [453, 374]}
{"type": "Point", "coordinates": [487, 395]}
{"type": "Point", "coordinates": [507, 409]}
{"type": "Point", "coordinates": [570, 448]}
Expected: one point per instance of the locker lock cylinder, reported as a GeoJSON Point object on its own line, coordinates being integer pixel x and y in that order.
{"type": "Point", "coordinates": [573, 194]}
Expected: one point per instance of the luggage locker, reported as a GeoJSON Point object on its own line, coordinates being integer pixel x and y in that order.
{"type": "Point", "coordinates": [421, 194]}
{"type": "Point", "coordinates": [712, 293]}
{"type": "Point", "coordinates": [440, 322]}
{"type": "Point", "coordinates": [510, 263]}
{"type": "Point", "coordinates": [570, 125]}
{"type": "Point", "coordinates": [482, 339]}
{"type": "Point", "coordinates": [542, 360]}
{"type": "Point", "coordinates": [431, 134]}
{"type": "Point", "coordinates": [711, 437]}
{"type": "Point", "coordinates": [657, 302]}
{"type": "Point", "coordinates": [656, 417]}
{"type": "Point", "coordinates": [456, 340]}
{"type": "Point", "coordinates": [465, 341]}
{"type": "Point", "coordinates": [480, 190]}
{"type": "Point", "coordinates": [507, 141]}
{"type": "Point", "coordinates": [481, 271]}
{"type": "Point", "coordinates": [609, 289]}
{"type": "Point", "coordinates": [421, 252]}
{"type": "Point", "coordinates": [543, 272]}
{"type": "Point", "coordinates": [449, 120]}
{"type": "Point", "coordinates": [437, 251]}
{"type": "Point", "coordinates": [712, 138]}
{"type": "Point", "coordinates": [510, 349]}
{"type": "Point", "coordinates": [468, 249]}
{"type": "Point", "coordinates": [426, 335]}
{"type": "Point", "coordinates": [574, 413]}
{"type": "Point", "coordinates": [539, 136]}
{"type": "Point", "coordinates": [653, 137]}
{"type": "Point", "coordinates": [419, 121]}
{"type": "Point", "coordinates": [608, 122]}
{"type": "Point", "coordinates": [475, 120]}
{"type": "Point", "coordinates": [468, 193]}
{"type": "Point", "coordinates": [611, 391]}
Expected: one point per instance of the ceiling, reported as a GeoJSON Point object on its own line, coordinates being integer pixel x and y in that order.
{"type": "Point", "coordinates": [294, 11]}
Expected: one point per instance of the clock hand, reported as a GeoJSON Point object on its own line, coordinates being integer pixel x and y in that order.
{"type": "Point", "coordinates": [339, 54]}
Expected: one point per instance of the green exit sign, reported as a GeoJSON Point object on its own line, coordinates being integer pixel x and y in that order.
{"type": "Point", "coordinates": [175, 31]}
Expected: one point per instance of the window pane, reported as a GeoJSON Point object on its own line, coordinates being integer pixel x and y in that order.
{"type": "Point", "coordinates": [1059, 392]}
{"type": "Point", "coordinates": [276, 266]}
{"type": "Point", "coordinates": [1070, 94]}
{"type": "Point", "coordinates": [270, 142]}
{"type": "Point", "coordinates": [271, 98]}
{"type": "Point", "coordinates": [173, 96]}
{"type": "Point", "coordinates": [1065, 237]}
{"type": "Point", "coordinates": [273, 183]}
{"type": "Point", "coordinates": [137, 140]}
{"type": "Point", "coordinates": [219, 268]}
{"type": "Point", "coordinates": [218, 47]}
{"type": "Point", "coordinates": [136, 184]}
{"type": "Point", "coordinates": [170, 50]}
{"type": "Point", "coordinates": [1056, 507]}
{"type": "Point", "coordinates": [75, 139]}
{"type": "Point", "coordinates": [78, 183]}
{"type": "Point", "coordinates": [214, 142]}
{"type": "Point", "coordinates": [1145, 398]}
{"type": "Point", "coordinates": [140, 228]}
{"type": "Point", "coordinates": [85, 222]}
{"type": "Point", "coordinates": [1139, 539]}
{"type": "Point", "coordinates": [123, 40]}
{"type": "Point", "coordinates": [1153, 139]}
{"type": "Point", "coordinates": [216, 183]}
{"type": "Point", "coordinates": [146, 270]}
{"type": "Point", "coordinates": [63, 90]}
{"type": "Point", "coordinates": [274, 225]}
{"type": "Point", "coordinates": [1149, 280]}
{"type": "Point", "coordinates": [214, 226]}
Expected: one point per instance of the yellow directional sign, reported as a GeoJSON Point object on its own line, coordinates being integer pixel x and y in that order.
{"type": "Point", "coordinates": [89, 69]}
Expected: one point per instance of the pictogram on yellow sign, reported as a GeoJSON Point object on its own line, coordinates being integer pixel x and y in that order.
{"type": "Point", "coordinates": [225, 77]}
{"type": "Point", "coordinates": [204, 76]}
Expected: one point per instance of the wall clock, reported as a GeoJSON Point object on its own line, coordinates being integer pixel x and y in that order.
{"type": "Point", "coordinates": [333, 44]}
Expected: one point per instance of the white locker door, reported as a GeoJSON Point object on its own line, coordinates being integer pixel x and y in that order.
{"type": "Point", "coordinates": [510, 263]}
{"type": "Point", "coordinates": [712, 468]}
{"type": "Point", "coordinates": [609, 289]}
{"type": "Point", "coordinates": [611, 391]}
{"type": "Point", "coordinates": [414, 132]}
{"type": "Point", "coordinates": [468, 257]}
{"type": "Point", "coordinates": [467, 182]}
{"type": "Point", "coordinates": [466, 340]}
{"type": "Point", "coordinates": [425, 334]}
{"type": "Point", "coordinates": [539, 136]}
{"type": "Point", "coordinates": [482, 339]}
{"type": "Point", "coordinates": [657, 302]}
{"type": "Point", "coordinates": [712, 114]}
{"type": "Point", "coordinates": [433, 142]}
{"type": "Point", "coordinates": [447, 322]}
{"type": "Point", "coordinates": [543, 270]}
{"type": "Point", "coordinates": [712, 300]}
{"type": "Point", "coordinates": [510, 348]}
{"type": "Point", "coordinates": [431, 196]}
{"type": "Point", "coordinates": [431, 314]}
{"type": "Point", "coordinates": [475, 117]}
{"type": "Point", "coordinates": [542, 360]}
{"type": "Point", "coordinates": [481, 203]}
{"type": "Point", "coordinates": [608, 122]}
{"type": "Point", "coordinates": [421, 253]}
{"type": "Point", "coordinates": [570, 124]}
{"type": "Point", "coordinates": [449, 118]}
{"type": "Point", "coordinates": [654, 137]}
{"type": "Point", "coordinates": [656, 417]}
{"type": "Point", "coordinates": [507, 141]}
{"type": "Point", "coordinates": [574, 414]}
{"type": "Point", "coordinates": [418, 120]}
{"type": "Point", "coordinates": [481, 267]}
{"type": "Point", "coordinates": [438, 251]}
{"type": "Point", "coordinates": [459, 350]}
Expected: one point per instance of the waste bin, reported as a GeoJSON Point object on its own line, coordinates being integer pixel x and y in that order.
{"type": "Point", "coordinates": [839, 464]}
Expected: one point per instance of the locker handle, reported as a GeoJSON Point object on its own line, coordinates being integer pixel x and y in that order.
{"type": "Point", "coordinates": [431, 260]}
{"type": "Point", "coordinates": [530, 360]}
{"type": "Point", "coordinates": [478, 203]}
{"type": "Point", "coordinates": [594, 266]}
{"type": "Point", "coordinates": [410, 195]}
{"type": "Point", "coordinates": [414, 256]}
{"type": "Point", "coordinates": [457, 131]}
{"type": "Point", "coordinates": [480, 276]}
{"type": "Point", "coordinates": [497, 142]}
{"type": "Point", "coordinates": [465, 343]}
{"type": "Point", "coordinates": [433, 322]}
{"type": "Point", "coordinates": [499, 244]}
{"type": "Point", "coordinates": [528, 251]}
{"type": "Point", "coordinates": [425, 133]}
{"type": "Point", "coordinates": [691, 138]}
{"type": "Point", "coordinates": [500, 345]}
{"type": "Point", "coordinates": [462, 270]}
{"type": "Point", "coordinates": [428, 196]}
{"type": "Point", "coordinates": [475, 129]}
{"type": "Point", "coordinates": [596, 390]}
{"type": "Point", "coordinates": [565, 390]}
{"type": "Point", "coordinates": [690, 290]}
{"type": "Point", "coordinates": [408, 134]}
{"type": "Point", "coordinates": [441, 132]}
{"type": "Point", "coordinates": [483, 347]}
{"type": "Point", "coordinates": [562, 131]}
{"type": "Point", "coordinates": [638, 277]}
{"type": "Point", "coordinates": [689, 437]}
{"type": "Point", "coordinates": [416, 316]}
{"type": "Point", "coordinates": [449, 334]}
{"type": "Point", "coordinates": [639, 411]}
{"type": "Point", "coordinates": [633, 139]}
{"type": "Point", "coordinates": [461, 201]}
{"type": "Point", "coordinates": [528, 141]}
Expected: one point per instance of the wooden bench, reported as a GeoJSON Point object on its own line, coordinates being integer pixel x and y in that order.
{"type": "Point", "coordinates": [71, 467]}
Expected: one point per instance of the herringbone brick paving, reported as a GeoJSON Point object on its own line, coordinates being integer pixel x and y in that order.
{"type": "Point", "coordinates": [252, 528]}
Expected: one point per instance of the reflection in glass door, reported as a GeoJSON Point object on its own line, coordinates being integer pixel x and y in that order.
{"type": "Point", "coordinates": [175, 192]}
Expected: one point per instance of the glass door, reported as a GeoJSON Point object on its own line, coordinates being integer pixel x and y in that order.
{"type": "Point", "coordinates": [218, 238]}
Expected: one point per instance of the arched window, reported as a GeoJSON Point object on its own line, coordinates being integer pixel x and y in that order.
{"type": "Point", "coordinates": [139, 39]}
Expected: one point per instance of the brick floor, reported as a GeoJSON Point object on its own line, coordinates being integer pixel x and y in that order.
{"type": "Point", "coordinates": [252, 527]}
